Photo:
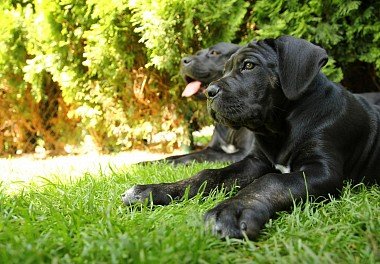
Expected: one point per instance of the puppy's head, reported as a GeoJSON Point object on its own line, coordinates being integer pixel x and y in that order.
{"type": "Point", "coordinates": [205, 66]}
{"type": "Point", "coordinates": [261, 78]}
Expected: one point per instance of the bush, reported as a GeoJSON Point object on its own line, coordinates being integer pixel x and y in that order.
{"type": "Point", "coordinates": [348, 30]}
{"type": "Point", "coordinates": [109, 69]}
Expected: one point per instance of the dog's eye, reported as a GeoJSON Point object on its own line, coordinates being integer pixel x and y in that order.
{"type": "Point", "coordinates": [214, 52]}
{"type": "Point", "coordinates": [248, 65]}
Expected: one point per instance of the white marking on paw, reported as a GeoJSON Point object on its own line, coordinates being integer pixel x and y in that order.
{"type": "Point", "coordinates": [129, 197]}
{"type": "Point", "coordinates": [130, 191]}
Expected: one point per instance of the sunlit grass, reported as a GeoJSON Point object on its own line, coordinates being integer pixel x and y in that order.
{"type": "Point", "coordinates": [85, 221]}
{"type": "Point", "coordinates": [16, 173]}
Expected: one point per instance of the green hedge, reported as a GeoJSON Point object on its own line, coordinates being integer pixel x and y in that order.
{"type": "Point", "coordinates": [348, 30]}
{"type": "Point", "coordinates": [109, 69]}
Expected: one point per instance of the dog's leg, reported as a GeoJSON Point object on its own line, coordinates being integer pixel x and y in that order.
{"type": "Point", "coordinates": [251, 208]}
{"type": "Point", "coordinates": [208, 154]}
{"type": "Point", "coordinates": [240, 174]}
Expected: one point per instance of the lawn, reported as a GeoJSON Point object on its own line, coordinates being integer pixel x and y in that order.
{"type": "Point", "coordinates": [84, 221]}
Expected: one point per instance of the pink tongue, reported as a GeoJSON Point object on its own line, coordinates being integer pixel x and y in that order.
{"type": "Point", "coordinates": [191, 88]}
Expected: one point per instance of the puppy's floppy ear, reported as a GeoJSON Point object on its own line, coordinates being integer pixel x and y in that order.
{"type": "Point", "coordinates": [299, 62]}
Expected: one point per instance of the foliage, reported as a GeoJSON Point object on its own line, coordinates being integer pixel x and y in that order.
{"type": "Point", "coordinates": [84, 221]}
{"type": "Point", "coordinates": [110, 69]}
{"type": "Point", "coordinates": [348, 30]}
{"type": "Point", "coordinates": [168, 28]}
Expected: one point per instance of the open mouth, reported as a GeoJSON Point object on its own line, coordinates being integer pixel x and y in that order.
{"type": "Point", "coordinates": [193, 87]}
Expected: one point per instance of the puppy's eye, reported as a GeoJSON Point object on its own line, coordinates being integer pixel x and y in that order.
{"type": "Point", "coordinates": [214, 52]}
{"type": "Point", "coordinates": [248, 65]}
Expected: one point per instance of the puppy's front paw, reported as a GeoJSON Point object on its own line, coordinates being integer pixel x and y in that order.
{"type": "Point", "coordinates": [142, 193]}
{"type": "Point", "coordinates": [132, 196]}
{"type": "Point", "coordinates": [234, 219]}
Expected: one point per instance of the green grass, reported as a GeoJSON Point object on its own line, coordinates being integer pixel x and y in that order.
{"type": "Point", "coordinates": [85, 222]}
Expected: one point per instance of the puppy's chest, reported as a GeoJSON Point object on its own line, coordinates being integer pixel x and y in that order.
{"type": "Point", "coordinates": [279, 152]}
{"type": "Point", "coordinates": [282, 168]}
{"type": "Point", "coordinates": [286, 155]}
{"type": "Point", "coordinates": [282, 161]}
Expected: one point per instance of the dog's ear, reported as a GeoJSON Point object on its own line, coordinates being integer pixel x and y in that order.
{"type": "Point", "coordinates": [299, 62]}
{"type": "Point", "coordinates": [233, 49]}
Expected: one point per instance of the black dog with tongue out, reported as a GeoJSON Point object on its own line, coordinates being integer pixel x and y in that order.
{"type": "Point", "coordinates": [324, 134]}
{"type": "Point", "coordinates": [199, 70]}
{"type": "Point", "coordinates": [204, 67]}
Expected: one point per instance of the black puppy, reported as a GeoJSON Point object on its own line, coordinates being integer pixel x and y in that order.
{"type": "Point", "coordinates": [226, 144]}
{"type": "Point", "coordinates": [321, 132]}
{"type": "Point", "coordinates": [199, 71]}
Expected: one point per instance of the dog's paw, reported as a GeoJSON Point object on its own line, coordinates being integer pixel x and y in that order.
{"type": "Point", "coordinates": [234, 219]}
{"type": "Point", "coordinates": [155, 193]}
{"type": "Point", "coordinates": [132, 196]}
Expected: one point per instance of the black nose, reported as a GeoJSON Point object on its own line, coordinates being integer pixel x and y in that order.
{"type": "Point", "coordinates": [212, 91]}
{"type": "Point", "coordinates": [186, 60]}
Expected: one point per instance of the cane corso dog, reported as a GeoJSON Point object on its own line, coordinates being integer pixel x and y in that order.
{"type": "Point", "coordinates": [227, 144]}
{"type": "Point", "coordinates": [199, 70]}
{"type": "Point", "coordinates": [321, 132]}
